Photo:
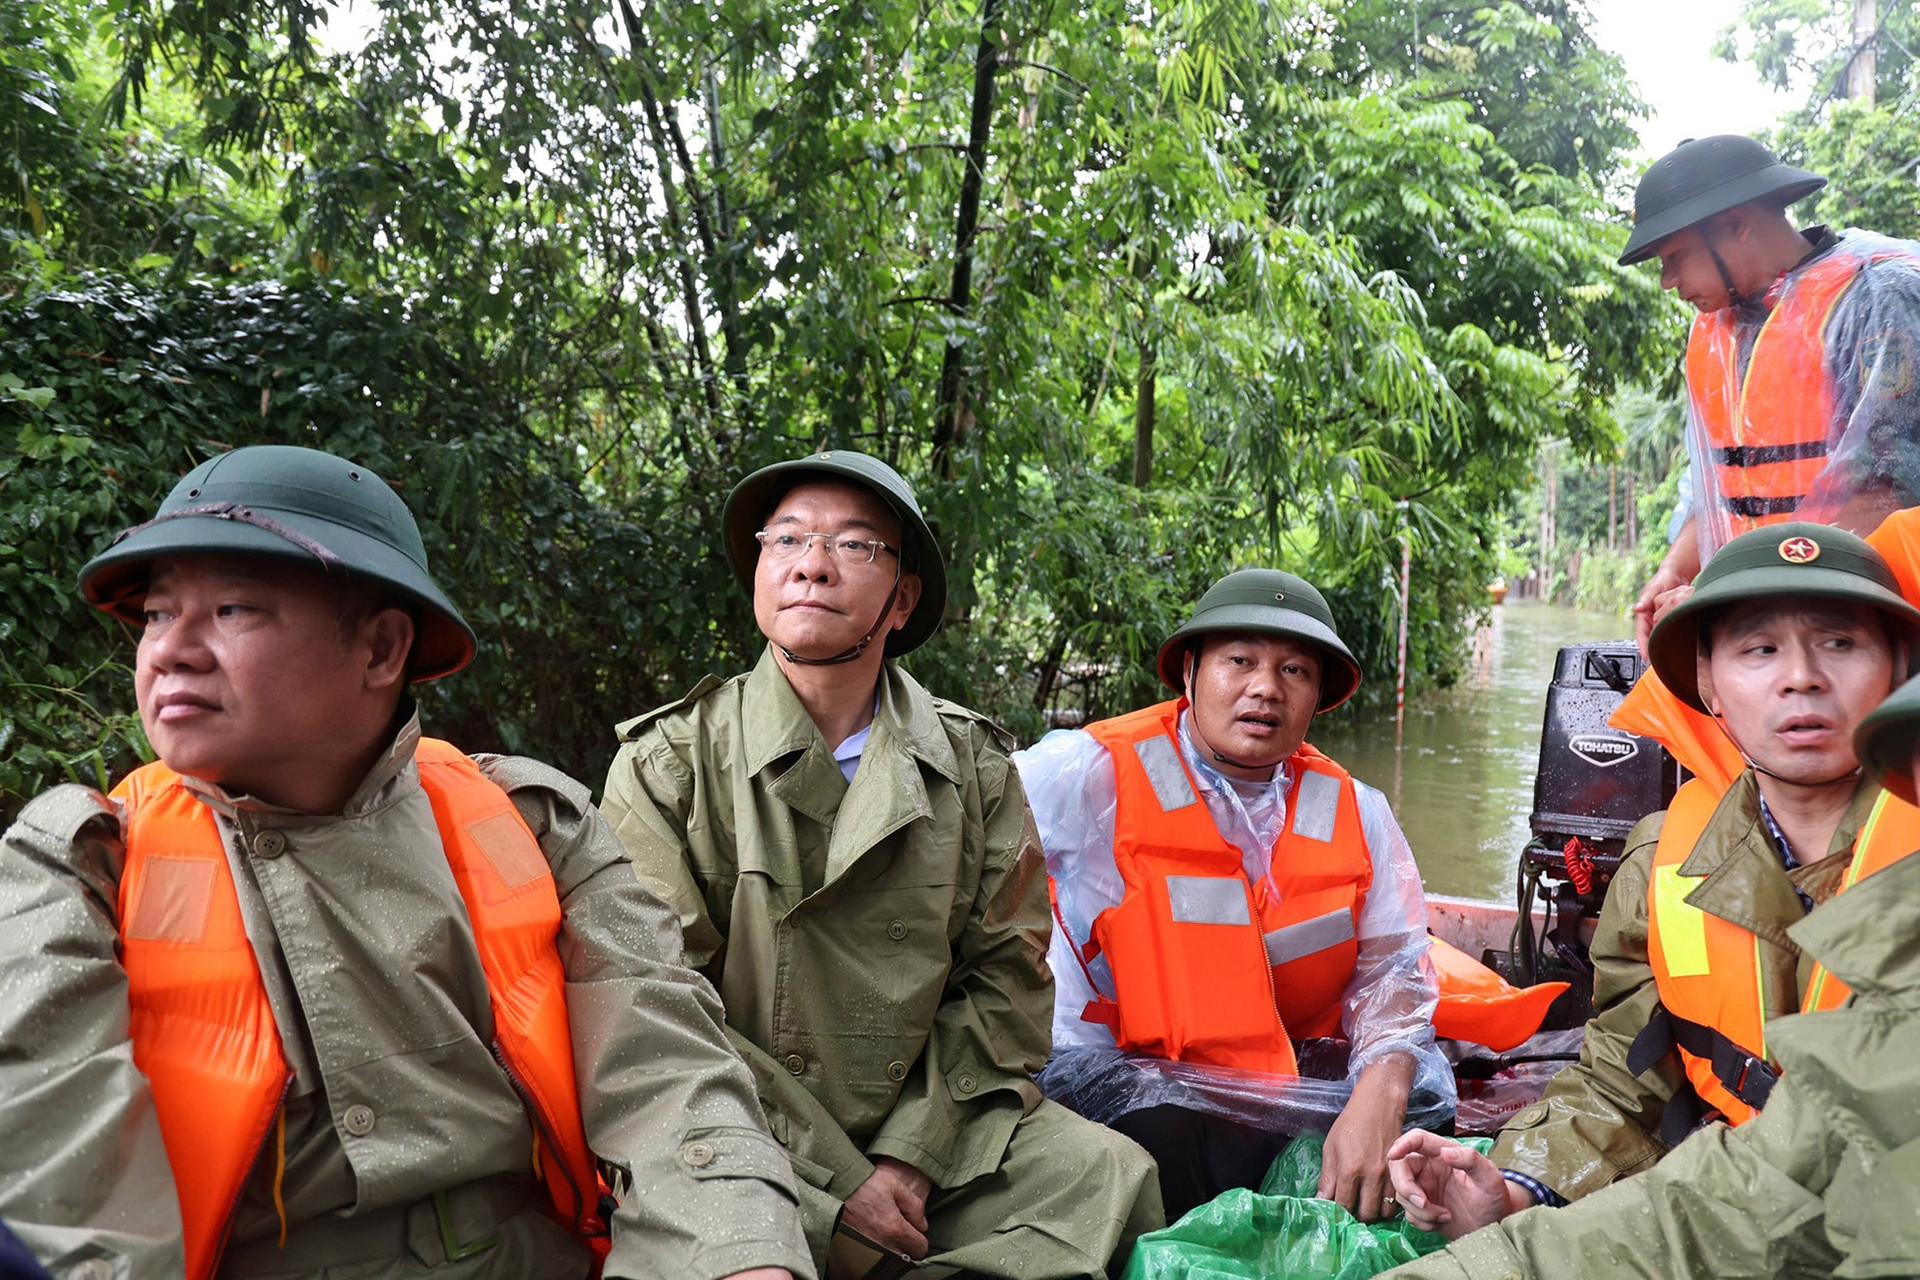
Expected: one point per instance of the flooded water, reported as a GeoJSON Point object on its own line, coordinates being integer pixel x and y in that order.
{"type": "Point", "coordinates": [1461, 778]}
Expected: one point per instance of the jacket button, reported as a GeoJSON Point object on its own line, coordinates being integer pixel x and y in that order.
{"type": "Point", "coordinates": [269, 844]}
{"type": "Point", "coordinates": [896, 1071]}
{"type": "Point", "coordinates": [697, 1154]}
{"type": "Point", "coordinates": [965, 1083]}
{"type": "Point", "coordinates": [897, 930]}
{"type": "Point", "coordinates": [796, 1063]}
{"type": "Point", "coordinates": [358, 1120]}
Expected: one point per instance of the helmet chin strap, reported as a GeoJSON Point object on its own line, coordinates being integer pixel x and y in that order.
{"type": "Point", "coordinates": [1852, 775]}
{"type": "Point", "coordinates": [861, 646]}
{"type": "Point", "coordinates": [1734, 297]}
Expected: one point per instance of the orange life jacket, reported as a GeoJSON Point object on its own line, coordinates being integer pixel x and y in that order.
{"type": "Point", "coordinates": [203, 1032]}
{"type": "Point", "coordinates": [1477, 1004]}
{"type": "Point", "coordinates": [1768, 432]}
{"type": "Point", "coordinates": [1694, 738]}
{"type": "Point", "coordinates": [1708, 969]}
{"type": "Point", "coordinates": [1206, 966]}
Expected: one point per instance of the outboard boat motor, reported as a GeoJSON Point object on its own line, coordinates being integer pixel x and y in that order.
{"type": "Point", "coordinates": [1594, 783]}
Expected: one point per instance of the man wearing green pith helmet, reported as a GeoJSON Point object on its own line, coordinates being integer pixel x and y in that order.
{"type": "Point", "coordinates": [855, 868]}
{"type": "Point", "coordinates": [1825, 1181]}
{"type": "Point", "coordinates": [1793, 633]}
{"type": "Point", "coordinates": [1231, 901]}
{"type": "Point", "coordinates": [315, 995]}
{"type": "Point", "coordinates": [1801, 364]}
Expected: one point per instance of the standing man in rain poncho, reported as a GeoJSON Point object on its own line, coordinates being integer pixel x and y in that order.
{"type": "Point", "coordinates": [1801, 366]}
{"type": "Point", "coordinates": [1230, 898]}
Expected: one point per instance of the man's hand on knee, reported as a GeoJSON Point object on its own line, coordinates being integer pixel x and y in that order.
{"type": "Point", "coordinates": [890, 1208]}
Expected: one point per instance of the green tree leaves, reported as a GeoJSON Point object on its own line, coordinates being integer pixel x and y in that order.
{"type": "Point", "coordinates": [1136, 294]}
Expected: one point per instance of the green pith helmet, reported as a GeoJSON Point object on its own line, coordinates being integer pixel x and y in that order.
{"type": "Point", "coordinates": [754, 499]}
{"type": "Point", "coordinates": [1705, 176]}
{"type": "Point", "coordinates": [1267, 602]}
{"type": "Point", "coordinates": [1808, 561]}
{"type": "Point", "coordinates": [286, 503]}
{"type": "Point", "coordinates": [1885, 738]}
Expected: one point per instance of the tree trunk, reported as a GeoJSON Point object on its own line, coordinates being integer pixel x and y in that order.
{"type": "Point", "coordinates": [950, 408]}
{"type": "Point", "coordinates": [1863, 66]}
{"type": "Point", "coordinates": [1143, 406]}
{"type": "Point", "coordinates": [1613, 509]}
{"type": "Point", "coordinates": [663, 159]}
{"type": "Point", "coordinates": [726, 272]}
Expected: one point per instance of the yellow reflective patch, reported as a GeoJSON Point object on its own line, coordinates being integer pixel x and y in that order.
{"type": "Point", "coordinates": [1683, 928]}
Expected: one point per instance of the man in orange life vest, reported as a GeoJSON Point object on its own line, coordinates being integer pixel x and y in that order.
{"type": "Point", "coordinates": [314, 994]}
{"type": "Point", "coordinates": [1801, 366]}
{"type": "Point", "coordinates": [1229, 897]}
{"type": "Point", "coordinates": [1791, 636]}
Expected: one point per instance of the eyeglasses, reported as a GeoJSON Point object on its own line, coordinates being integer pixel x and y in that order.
{"type": "Point", "coordinates": [783, 546]}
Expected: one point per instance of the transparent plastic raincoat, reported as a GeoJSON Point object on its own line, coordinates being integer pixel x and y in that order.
{"type": "Point", "coordinates": [1387, 1007]}
{"type": "Point", "coordinates": [1803, 405]}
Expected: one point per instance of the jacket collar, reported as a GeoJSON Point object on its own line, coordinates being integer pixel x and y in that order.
{"type": "Point", "coordinates": [906, 714]}
{"type": "Point", "coordinates": [1869, 936]}
{"type": "Point", "coordinates": [1742, 878]}
{"type": "Point", "coordinates": [887, 793]}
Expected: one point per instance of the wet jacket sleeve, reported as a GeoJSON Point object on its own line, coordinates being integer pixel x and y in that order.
{"type": "Point", "coordinates": [704, 1190]}
{"type": "Point", "coordinates": [83, 1171]}
{"type": "Point", "coordinates": [1597, 1121]}
{"type": "Point", "coordinates": [974, 1081]}
{"type": "Point", "coordinates": [649, 801]}
{"type": "Point", "coordinates": [1726, 1202]}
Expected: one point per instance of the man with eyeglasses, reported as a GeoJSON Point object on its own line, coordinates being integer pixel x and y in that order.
{"type": "Point", "coordinates": [856, 871]}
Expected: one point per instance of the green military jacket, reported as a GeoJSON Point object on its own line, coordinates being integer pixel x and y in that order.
{"type": "Point", "coordinates": [1597, 1121]}
{"type": "Point", "coordinates": [879, 945]}
{"type": "Point", "coordinates": [1825, 1182]}
{"type": "Point", "coordinates": [374, 978]}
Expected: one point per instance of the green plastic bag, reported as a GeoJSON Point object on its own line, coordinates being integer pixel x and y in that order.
{"type": "Point", "coordinates": [1280, 1232]}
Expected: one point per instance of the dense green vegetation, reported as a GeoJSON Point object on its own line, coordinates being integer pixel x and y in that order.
{"type": "Point", "coordinates": [1134, 295]}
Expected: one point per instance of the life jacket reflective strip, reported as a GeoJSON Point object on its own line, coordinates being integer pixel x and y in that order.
{"type": "Point", "coordinates": [1891, 832]}
{"type": "Point", "coordinates": [203, 1031]}
{"type": "Point", "coordinates": [1708, 969]}
{"type": "Point", "coordinates": [1207, 967]}
{"type": "Point", "coordinates": [1768, 431]}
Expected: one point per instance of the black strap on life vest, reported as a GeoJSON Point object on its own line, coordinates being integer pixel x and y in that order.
{"type": "Point", "coordinates": [1759, 455]}
{"type": "Point", "coordinates": [1754, 508]}
{"type": "Point", "coordinates": [1746, 1077]}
